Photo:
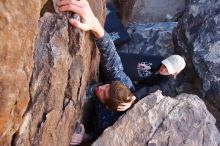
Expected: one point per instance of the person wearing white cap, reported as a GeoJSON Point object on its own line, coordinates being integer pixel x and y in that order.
{"type": "Point", "coordinates": [145, 70]}
{"type": "Point", "coordinates": [172, 65]}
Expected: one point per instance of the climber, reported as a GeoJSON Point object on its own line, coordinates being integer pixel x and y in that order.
{"type": "Point", "coordinates": [115, 95]}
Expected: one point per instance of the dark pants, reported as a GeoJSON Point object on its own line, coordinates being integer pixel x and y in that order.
{"type": "Point", "coordinates": [130, 62]}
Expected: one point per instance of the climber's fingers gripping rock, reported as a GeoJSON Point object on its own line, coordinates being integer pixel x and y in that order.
{"type": "Point", "coordinates": [88, 19]}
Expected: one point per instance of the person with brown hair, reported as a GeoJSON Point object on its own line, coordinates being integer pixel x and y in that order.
{"type": "Point", "coordinates": [111, 99]}
{"type": "Point", "coordinates": [119, 93]}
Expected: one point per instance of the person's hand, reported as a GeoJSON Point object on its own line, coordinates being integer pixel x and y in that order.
{"type": "Point", "coordinates": [78, 135]}
{"type": "Point", "coordinates": [88, 19]}
{"type": "Point", "coordinates": [142, 66]}
{"type": "Point", "coordinates": [125, 106]}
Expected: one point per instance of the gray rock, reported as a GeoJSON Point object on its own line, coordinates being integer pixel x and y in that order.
{"type": "Point", "coordinates": [150, 39]}
{"type": "Point", "coordinates": [145, 11]}
{"type": "Point", "coordinates": [157, 120]}
{"type": "Point", "coordinates": [198, 38]}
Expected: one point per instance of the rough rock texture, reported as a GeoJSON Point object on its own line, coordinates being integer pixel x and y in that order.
{"type": "Point", "coordinates": [150, 39]}
{"type": "Point", "coordinates": [44, 72]}
{"type": "Point", "coordinates": [18, 28]}
{"type": "Point", "coordinates": [197, 37]}
{"type": "Point", "coordinates": [142, 11]}
{"type": "Point", "coordinates": [157, 120]}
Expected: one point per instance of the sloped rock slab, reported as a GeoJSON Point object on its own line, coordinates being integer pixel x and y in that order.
{"type": "Point", "coordinates": [157, 120]}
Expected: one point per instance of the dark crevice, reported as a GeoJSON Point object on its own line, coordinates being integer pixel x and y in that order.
{"type": "Point", "coordinates": [67, 93]}
{"type": "Point", "coordinates": [14, 138]}
{"type": "Point", "coordinates": [66, 102]}
{"type": "Point", "coordinates": [43, 119]}
{"type": "Point", "coordinates": [203, 137]}
{"type": "Point", "coordinates": [75, 35]}
{"type": "Point", "coordinates": [79, 88]}
{"type": "Point", "coordinates": [50, 56]}
{"type": "Point", "coordinates": [48, 7]}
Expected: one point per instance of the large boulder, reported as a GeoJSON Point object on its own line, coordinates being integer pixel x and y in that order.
{"type": "Point", "coordinates": [150, 39]}
{"type": "Point", "coordinates": [45, 68]}
{"type": "Point", "coordinates": [158, 120]}
{"type": "Point", "coordinates": [197, 37]}
{"type": "Point", "coordinates": [144, 11]}
{"type": "Point", "coordinates": [18, 28]}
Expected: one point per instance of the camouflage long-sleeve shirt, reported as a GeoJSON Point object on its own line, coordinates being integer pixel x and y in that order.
{"type": "Point", "coordinates": [111, 67]}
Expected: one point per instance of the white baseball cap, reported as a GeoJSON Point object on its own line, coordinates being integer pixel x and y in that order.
{"type": "Point", "coordinates": [174, 64]}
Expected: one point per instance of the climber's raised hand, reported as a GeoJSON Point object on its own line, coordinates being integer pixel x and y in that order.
{"type": "Point", "coordinates": [88, 19]}
{"type": "Point", "coordinates": [125, 106]}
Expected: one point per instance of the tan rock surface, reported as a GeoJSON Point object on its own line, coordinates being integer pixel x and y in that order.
{"type": "Point", "coordinates": [44, 71]}
{"type": "Point", "coordinates": [18, 28]}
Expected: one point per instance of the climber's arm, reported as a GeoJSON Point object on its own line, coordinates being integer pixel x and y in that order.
{"type": "Point", "coordinates": [110, 60]}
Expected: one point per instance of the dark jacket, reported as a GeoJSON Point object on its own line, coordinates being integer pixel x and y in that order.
{"type": "Point", "coordinates": [111, 67]}
{"type": "Point", "coordinates": [142, 78]}
{"type": "Point", "coordinates": [112, 70]}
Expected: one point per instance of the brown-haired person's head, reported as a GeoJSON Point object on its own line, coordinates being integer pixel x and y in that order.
{"type": "Point", "coordinates": [112, 95]}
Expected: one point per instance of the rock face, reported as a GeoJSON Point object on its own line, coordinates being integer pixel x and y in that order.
{"type": "Point", "coordinates": [143, 11]}
{"type": "Point", "coordinates": [18, 28]}
{"type": "Point", "coordinates": [45, 68]}
{"type": "Point", "coordinates": [197, 37]}
{"type": "Point", "coordinates": [150, 39]}
{"type": "Point", "coordinates": [157, 120]}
